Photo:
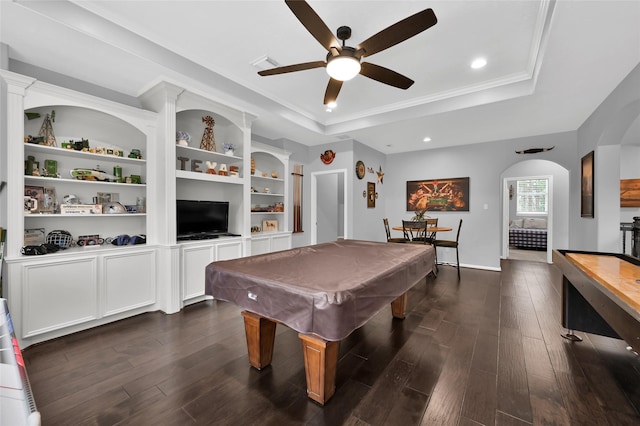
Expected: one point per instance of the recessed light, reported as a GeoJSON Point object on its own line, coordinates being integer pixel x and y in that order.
{"type": "Point", "coordinates": [427, 139]}
{"type": "Point", "coordinates": [478, 63]}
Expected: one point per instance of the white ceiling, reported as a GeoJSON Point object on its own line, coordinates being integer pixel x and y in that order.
{"type": "Point", "coordinates": [550, 63]}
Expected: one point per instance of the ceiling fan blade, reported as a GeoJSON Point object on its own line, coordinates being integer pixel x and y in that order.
{"type": "Point", "coordinates": [398, 32]}
{"type": "Point", "coordinates": [293, 68]}
{"type": "Point", "coordinates": [385, 75]}
{"type": "Point", "coordinates": [333, 88]}
{"type": "Point", "coordinates": [313, 23]}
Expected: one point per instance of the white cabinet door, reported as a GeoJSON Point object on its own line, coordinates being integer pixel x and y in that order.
{"type": "Point", "coordinates": [194, 262]}
{"type": "Point", "coordinates": [228, 251]}
{"type": "Point", "coordinates": [59, 294]}
{"type": "Point", "coordinates": [260, 245]}
{"type": "Point", "coordinates": [129, 281]}
{"type": "Point", "coordinates": [281, 242]}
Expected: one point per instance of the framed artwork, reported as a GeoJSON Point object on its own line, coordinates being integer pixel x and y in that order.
{"type": "Point", "coordinates": [34, 237]}
{"type": "Point", "coordinates": [49, 200]}
{"type": "Point", "coordinates": [586, 186]}
{"type": "Point", "coordinates": [438, 195]}
{"type": "Point", "coordinates": [33, 199]}
{"type": "Point", "coordinates": [630, 193]}
{"type": "Point", "coordinates": [269, 225]}
{"type": "Point", "coordinates": [371, 195]}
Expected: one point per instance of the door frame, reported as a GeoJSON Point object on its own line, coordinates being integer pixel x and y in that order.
{"type": "Point", "coordinates": [314, 202]}
{"type": "Point", "coordinates": [505, 213]}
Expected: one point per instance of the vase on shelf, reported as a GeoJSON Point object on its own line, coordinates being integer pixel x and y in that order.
{"type": "Point", "coordinates": [229, 148]}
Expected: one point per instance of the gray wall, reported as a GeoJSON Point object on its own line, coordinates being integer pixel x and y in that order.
{"type": "Point", "coordinates": [487, 165]}
{"type": "Point", "coordinates": [603, 133]}
{"type": "Point", "coordinates": [481, 235]}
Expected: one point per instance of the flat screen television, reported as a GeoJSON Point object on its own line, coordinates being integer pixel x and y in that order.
{"type": "Point", "coordinates": [202, 219]}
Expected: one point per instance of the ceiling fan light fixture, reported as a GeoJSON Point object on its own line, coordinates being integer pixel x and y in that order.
{"type": "Point", "coordinates": [342, 67]}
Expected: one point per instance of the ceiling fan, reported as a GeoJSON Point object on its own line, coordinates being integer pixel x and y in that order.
{"type": "Point", "coordinates": [344, 62]}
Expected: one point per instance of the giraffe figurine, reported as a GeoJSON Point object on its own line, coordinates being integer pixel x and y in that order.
{"type": "Point", "coordinates": [208, 140]}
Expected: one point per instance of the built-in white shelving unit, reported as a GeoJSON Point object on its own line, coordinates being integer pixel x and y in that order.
{"type": "Point", "coordinates": [80, 287]}
{"type": "Point", "coordinates": [83, 286]}
{"type": "Point", "coordinates": [269, 200]}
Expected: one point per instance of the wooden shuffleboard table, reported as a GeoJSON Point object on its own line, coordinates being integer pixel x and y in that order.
{"type": "Point", "coordinates": [600, 294]}
{"type": "Point", "coordinates": [323, 291]}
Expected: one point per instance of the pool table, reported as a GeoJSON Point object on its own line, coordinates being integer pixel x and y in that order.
{"type": "Point", "coordinates": [600, 294]}
{"type": "Point", "coordinates": [323, 291]}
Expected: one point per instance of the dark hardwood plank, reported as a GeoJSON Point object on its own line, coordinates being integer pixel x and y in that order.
{"type": "Point", "coordinates": [446, 399]}
{"type": "Point", "coordinates": [480, 399]}
{"type": "Point", "coordinates": [513, 395]}
{"type": "Point", "coordinates": [483, 350]}
{"type": "Point", "coordinates": [546, 401]}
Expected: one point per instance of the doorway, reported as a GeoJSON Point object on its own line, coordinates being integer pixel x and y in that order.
{"type": "Point", "coordinates": [328, 206]}
{"type": "Point", "coordinates": [508, 193]}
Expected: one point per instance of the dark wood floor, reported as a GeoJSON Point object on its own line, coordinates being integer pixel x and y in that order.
{"type": "Point", "coordinates": [485, 350]}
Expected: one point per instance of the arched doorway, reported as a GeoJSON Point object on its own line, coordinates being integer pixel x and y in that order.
{"type": "Point", "coordinates": [558, 201]}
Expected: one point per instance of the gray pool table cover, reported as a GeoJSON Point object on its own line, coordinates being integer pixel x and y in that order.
{"type": "Point", "coordinates": [327, 289]}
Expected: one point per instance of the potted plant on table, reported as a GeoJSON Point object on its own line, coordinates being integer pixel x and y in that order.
{"type": "Point", "coordinates": [419, 215]}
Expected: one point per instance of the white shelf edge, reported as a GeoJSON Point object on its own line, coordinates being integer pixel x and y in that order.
{"type": "Point", "coordinates": [79, 181]}
{"type": "Point", "coordinates": [267, 178]}
{"type": "Point", "coordinates": [52, 150]}
{"type": "Point", "coordinates": [85, 250]}
{"type": "Point", "coordinates": [267, 212]}
{"type": "Point", "coordinates": [184, 174]}
{"type": "Point", "coordinates": [213, 154]}
{"type": "Point", "coordinates": [268, 194]}
{"type": "Point", "coordinates": [58, 215]}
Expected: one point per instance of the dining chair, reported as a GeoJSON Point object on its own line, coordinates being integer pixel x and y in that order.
{"type": "Point", "coordinates": [415, 231]}
{"type": "Point", "coordinates": [431, 221]}
{"type": "Point", "coordinates": [388, 232]}
{"type": "Point", "coordinates": [451, 244]}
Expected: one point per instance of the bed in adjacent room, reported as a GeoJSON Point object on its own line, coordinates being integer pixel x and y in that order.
{"type": "Point", "coordinates": [528, 233]}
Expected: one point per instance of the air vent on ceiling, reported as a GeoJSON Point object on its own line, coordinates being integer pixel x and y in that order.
{"type": "Point", "coordinates": [264, 63]}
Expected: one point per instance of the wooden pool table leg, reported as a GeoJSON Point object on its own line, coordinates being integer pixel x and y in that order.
{"type": "Point", "coordinates": [320, 361]}
{"type": "Point", "coordinates": [399, 306]}
{"type": "Point", "coordinates": [261, 334]}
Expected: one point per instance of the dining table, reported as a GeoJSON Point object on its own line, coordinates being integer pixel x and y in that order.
{"type": "Point", "coordinates": [429, 228]}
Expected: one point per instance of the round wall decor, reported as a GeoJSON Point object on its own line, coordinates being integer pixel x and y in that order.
{"type": "Point", "coordinates": [360, 169]}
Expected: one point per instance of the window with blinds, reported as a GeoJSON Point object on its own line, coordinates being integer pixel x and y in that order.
{"type": "Point", "coordinates": [533, 196]}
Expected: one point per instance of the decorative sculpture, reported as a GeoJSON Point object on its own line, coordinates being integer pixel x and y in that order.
{"type": "Point", "coordinates": [46, 130]}
{"type": "Point", "coordinates": [328, 156]}
{"type": "Point", "coordinates": [380, 175]}
{"type": "Point", "coordinates": [208, 140]}
{"type": "Point", "coordinates": [534, 150]}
